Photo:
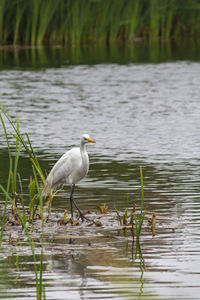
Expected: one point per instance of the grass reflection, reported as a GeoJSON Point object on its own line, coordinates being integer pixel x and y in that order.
{"type": "Point", "coordinates": [153, 50]}
{"type": "Point", "coordinates": [137, 252]}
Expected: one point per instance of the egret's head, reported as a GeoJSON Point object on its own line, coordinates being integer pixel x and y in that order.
{"type": "Point", "coordinates": [86, 139]}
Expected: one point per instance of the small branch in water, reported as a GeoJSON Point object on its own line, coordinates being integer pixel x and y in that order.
{"type": "Point", "coordinates": [118, 216]}
{"type": "Point", "coordinates": [102, 209]}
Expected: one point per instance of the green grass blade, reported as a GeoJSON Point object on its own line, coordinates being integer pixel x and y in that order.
{"type": "Point", "coordinates": [39, 192]}
{"type": "Point", "coordinates": [3, 223]}
{"type": "Point", "coordinates": [142, 189]}
{"type": "Point", "coordinates": [20, 183]}
{"type": "Point", "coordinates": [6, 136]}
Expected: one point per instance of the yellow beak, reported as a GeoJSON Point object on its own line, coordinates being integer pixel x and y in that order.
{"type": "Point", "coordinates": [90, 140]}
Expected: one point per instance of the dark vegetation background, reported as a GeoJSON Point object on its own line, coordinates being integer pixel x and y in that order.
{"type": "Point", "coordinates": [35, 22]}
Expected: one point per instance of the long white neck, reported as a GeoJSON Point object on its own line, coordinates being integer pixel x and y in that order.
{"type": "Point", "coordinates": [84, 156]}
{"type": "Point", "coordinates": [82, 147]}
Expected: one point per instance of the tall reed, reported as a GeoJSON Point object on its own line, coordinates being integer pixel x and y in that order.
{"type": "Point", "coordinates": [72, 22]}
{"type": "Point", "coordinates": [9, 179]}
{"type": "Point", "coordinates": [34, 187]}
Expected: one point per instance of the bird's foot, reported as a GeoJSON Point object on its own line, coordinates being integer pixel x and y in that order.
{"type": "Point", "coordinates": [83, 217]}
{"type": "Point", "coordinates": [71, 221]}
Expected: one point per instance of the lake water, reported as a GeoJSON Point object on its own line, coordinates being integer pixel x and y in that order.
{"type": "Point", "coordinates": [140, 113]}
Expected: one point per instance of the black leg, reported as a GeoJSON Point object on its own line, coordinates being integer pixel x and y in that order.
{"type": "Point", "coordinates": [80, 212]}
{"type": "Point", "coordinates": [72, 201]}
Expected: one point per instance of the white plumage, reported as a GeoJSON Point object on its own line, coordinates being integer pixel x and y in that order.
{"type": "Point", "coordinates": [69, 169]}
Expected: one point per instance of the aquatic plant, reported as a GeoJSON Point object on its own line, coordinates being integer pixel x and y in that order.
{"type": "Point", "coordinates": [72, 22]}
{"type": "Point", "coordinates": [34, 190]}
{"type": "Point", "coordinates": [9, 179]}
{"type": "Point", "coordinates": [127, 219]}
{"type": "Point", "coordinates": [24, 222]}
{"type": "Point", "coordinates": [138, 223]}
{"type": "Point", "coordinates": [20, 216]}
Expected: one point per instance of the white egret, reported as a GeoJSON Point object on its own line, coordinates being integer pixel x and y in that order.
{"type": "Point", "coordinates": [70, 169]}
